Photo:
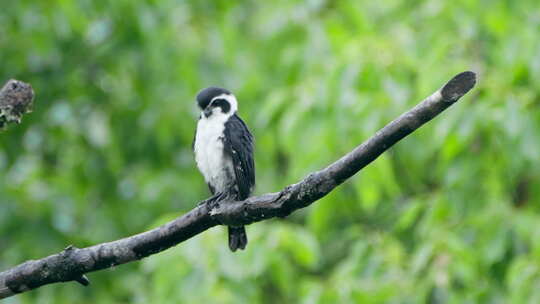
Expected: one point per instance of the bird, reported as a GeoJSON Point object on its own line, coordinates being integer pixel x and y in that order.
{"type": "Point", "coordinates": [223, 148]}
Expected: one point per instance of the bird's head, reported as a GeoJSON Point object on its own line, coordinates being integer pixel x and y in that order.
{"type": "Point", "coordinates": [216, 101]}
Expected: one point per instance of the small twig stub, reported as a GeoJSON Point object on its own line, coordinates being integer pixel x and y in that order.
{"type": "Point", "coordinates": [16, 99]}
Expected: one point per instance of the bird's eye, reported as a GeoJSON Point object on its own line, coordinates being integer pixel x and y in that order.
{"type": "Point", "coordinates": [222, 103]}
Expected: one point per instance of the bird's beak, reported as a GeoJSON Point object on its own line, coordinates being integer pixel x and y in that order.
{"type": "Point", "coordinates": [207, 112]}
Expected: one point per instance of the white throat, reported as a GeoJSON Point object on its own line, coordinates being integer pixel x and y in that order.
{"type": "Point", "coordinates": [209, 153]}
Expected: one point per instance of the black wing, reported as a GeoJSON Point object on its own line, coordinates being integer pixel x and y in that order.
{"type": "Point", "coordinates": [238, 144]}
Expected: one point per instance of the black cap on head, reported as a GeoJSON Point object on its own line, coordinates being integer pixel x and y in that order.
{"type": "Point", "coordinates": [205, 95]}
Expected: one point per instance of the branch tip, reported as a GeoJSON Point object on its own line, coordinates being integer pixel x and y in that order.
{"type": "Point", "coordinates": [458, 86]}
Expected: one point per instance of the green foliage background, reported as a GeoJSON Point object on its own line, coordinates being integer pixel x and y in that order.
{"type": "Point", "coordinates": [449, 215]}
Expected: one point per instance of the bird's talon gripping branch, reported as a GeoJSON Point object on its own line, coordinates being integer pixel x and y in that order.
{"type": "Point", "coordinates": [213, 201]}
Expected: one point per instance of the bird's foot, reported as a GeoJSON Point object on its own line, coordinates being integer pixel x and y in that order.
{"type": "Point", "coordinates": [214, 200]}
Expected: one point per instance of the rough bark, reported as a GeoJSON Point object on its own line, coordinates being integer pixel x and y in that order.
{"type": "Point", "coordinates": [72, 263]}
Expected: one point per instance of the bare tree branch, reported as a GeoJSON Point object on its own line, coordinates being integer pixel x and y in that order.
{"type": "Point", "coordinates": [72, 263]}
{"type": "Point", "coordinates": [16, 98]}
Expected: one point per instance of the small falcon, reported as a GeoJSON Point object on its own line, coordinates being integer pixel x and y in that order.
{"type": "Point", "coordinates": [223, 148]}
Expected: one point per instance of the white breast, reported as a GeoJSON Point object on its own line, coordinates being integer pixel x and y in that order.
{"type": "Point", "coordinates": [209, 154]}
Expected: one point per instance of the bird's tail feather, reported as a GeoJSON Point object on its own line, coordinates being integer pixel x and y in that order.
{"type": "Point", "coordinates": [237, 238]}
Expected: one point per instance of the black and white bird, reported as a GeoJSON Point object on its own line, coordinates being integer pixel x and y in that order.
{"type": "Point", "coordinates": [223, 149]}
